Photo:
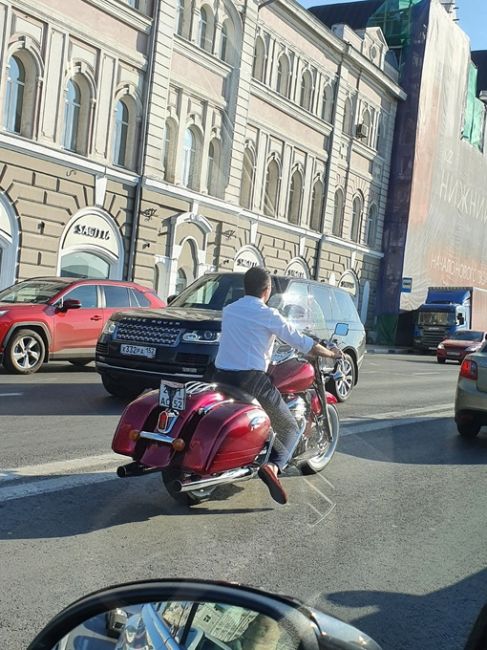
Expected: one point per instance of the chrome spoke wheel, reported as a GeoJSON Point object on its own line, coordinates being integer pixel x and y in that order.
{"type": "Point", "coordinates": [327, 446]}
{"type": "Point", "coordinates": [343, 386]}
{"type": "Point", "coordinates": [27, 353]}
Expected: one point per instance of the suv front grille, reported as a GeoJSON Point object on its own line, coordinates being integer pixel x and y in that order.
{"type": "Point", "coordinates": [148, 331]}
{"type": "Point", "coordinates": [192, 359]}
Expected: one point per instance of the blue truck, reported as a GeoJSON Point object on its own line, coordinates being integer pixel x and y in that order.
{"type": "Point", "coordinates": [448, 310]}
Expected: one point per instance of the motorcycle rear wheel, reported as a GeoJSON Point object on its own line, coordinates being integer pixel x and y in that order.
{"type": "Point", "coordinates": [320, 461]}
{"type": "Point", "coordinates": [187, 499]}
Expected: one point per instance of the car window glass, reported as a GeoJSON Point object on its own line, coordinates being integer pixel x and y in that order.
{"type": "Point", "coordinates": [322, 305]}
{"type": "Point", "coordinates": [347, 311]}
{"type": "Point", "coordinates": [86, 294]}
{"type": "Point", "coordinates": [116, 296]}
{"type": "Point", "coordinates": [138, 299]}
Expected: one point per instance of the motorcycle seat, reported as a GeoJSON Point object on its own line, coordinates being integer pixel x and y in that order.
{"type": "Point", "coordinates": [237, 394]}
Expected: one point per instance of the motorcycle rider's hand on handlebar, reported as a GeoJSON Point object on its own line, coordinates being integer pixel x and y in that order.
{"type": "Point", "coordinates": [319, 350]}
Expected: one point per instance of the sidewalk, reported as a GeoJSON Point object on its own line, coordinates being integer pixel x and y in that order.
{"type": "Point", "coordinates": [384, 349]}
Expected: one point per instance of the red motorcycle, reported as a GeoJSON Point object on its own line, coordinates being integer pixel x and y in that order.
{"type": "Point", "coordinates": [201, 435]}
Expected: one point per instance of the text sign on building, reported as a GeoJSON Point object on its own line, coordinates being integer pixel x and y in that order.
{"type": "Point", "coordinates": [349, 283]}
{"type": "Point", "coordinates": [246, 258]}
{"type": "Point", "coordinates": [92, 230]}
{"type": "Point", "coordinates": [407, 285]}
{"type": "Point", "coordinates": [297, 269]}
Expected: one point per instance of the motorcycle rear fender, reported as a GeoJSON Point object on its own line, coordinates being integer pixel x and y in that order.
{"type": "Point", "coordinates": [136, 416]}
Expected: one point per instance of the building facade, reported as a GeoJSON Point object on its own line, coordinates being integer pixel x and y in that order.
{"type": "Point", "coordinates": [162, 140]}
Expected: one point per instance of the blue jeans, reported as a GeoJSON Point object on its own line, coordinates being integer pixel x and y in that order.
{"type": "Point", "coordinates": [258, 384]}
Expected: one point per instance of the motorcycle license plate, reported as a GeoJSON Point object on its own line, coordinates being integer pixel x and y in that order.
{"type": "Point", "coordinates": [138, 351]}
{"type": "Point", "coordinates": [172, 395]}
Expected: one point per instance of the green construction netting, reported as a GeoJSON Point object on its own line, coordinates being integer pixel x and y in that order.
{"type": "Point", "coordinates": [394, 18]}
{"type": "Point", "coordinates": [474, 124]}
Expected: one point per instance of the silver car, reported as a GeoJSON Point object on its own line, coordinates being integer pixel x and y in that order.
{"type": "Point", "coordinates": [471, 395]}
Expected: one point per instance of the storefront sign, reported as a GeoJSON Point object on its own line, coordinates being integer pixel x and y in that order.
{"type": "Point", "coordinates": [246, 258]}
{"type": "Point", "coordinates": [92, 230]}
{"type": "Point", "coordinates": [349, 283]}
{"type": "Point", "coordinates": [297, 268]}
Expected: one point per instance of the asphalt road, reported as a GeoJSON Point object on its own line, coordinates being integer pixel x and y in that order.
{"type": "Point", "coordinates": [391, 537]}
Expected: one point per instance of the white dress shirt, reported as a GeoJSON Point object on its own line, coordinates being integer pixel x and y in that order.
{"type": "Point", "coordinates": [249, 329]}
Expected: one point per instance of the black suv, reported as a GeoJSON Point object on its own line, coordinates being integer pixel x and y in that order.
{"type": "Point", "coordinates": [135, 351]}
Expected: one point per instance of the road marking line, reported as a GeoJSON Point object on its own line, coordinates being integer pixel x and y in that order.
{"type": "Point", "coordinates": [11, 394]}
{"type": "Point", "coordinates": [48, 478]}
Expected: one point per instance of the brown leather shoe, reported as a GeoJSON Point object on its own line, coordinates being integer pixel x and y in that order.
{"type": "Point", "coordinates": [277, 492]}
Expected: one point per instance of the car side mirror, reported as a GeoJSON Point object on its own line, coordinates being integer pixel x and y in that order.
{"type": "Point", "coordinates": [171, 298]}
{"type": "Point", "coordinates": [191, 613]}
{"type": "Point", "coordinates": [70, 303]}
{"type": "Point", "coordinates": [341, 329]}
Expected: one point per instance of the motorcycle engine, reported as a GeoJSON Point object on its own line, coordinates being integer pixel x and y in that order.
{"type": "Point", "coordinates": [299, 409]}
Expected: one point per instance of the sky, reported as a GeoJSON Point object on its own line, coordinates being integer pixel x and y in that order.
{"type": "Point", "coordinates": [472, 14]}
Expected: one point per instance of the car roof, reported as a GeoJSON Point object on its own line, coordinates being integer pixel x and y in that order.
{"type": "Point", "coordinates": [68, 281]}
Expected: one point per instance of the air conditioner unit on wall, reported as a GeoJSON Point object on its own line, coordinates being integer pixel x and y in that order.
{"type": "Point", "coordinates": [362, 131]}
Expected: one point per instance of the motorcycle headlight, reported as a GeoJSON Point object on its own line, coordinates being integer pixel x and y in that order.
{"type": "Point", "coordinates": [110, 327]}
{"type": "Point", "coordinates": [201, 336]}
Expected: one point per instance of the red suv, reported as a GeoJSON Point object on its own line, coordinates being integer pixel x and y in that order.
{"type": "Point", "coordinates": [46, 319]}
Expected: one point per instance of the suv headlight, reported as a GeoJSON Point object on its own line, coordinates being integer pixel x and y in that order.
{"type": "Point", "coordinates": [472, 348]}
{"type": "Point", "coordinates": [110, 327]}
{"type": "Point", "coordinates": [201, 336]}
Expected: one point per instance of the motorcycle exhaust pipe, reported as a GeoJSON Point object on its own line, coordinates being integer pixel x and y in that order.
{"type": "Point", "coordinates": [135, 469]}
{"type": "Point", "coordinates": [233, 476]}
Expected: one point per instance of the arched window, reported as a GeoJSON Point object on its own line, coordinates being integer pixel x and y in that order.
{"type": "Point", "coordinates": [348, 117]}
{"type": "Point", "coordinates": [206, 29]}
{"type": "Point", "coordinates": [121, 133]}
{"type": "Point", "coordinates": [271, 193]}
{"type": "Point", "coordinates": [295, 196]}
{"type": "Point", "coordinates": [258, 71]}
{"type": "Point", "coordinates": [366, 121]}
{"type": "Point", "coordinates": [168, 151]}
{"type": "Point", "coordinates": [190, 160]}
{"type": "Point", "coordinates": [337, 228]}
{"type": "Point", "coordinates": [214, 180]}
{"type": "Point", "coordinates": [317, 206]}
{"type": "Point", "coordinates": [72, 107]}
{"type": "Point", "coordinates": [372, 226]}
{"type": "Point", "coordinates": [14, 99]}
{"type": "Point", "coordinates": [179, 17]}
{"type": "Point", "coordinates": [227, 39]}
{"type": "Point", "coordinates": [283, 79]}
{"type": "Point", "coordinates": [356, 219]}
{"type": "Point", "coordinates": [247, 179]}
{"type": "Point", "coordinates": [306, 98]}
{"type": "Point", "coordinates": [382, 133]}
{"type": "Point", "coordinates": [327, 103]}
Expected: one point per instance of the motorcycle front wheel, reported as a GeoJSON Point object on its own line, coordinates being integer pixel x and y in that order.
{"type": "Point", "coordinates": [321, 460]}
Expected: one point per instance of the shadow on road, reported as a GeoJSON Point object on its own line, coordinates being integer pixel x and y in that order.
{"type": "Point", "coordinates": [407, 621]}
{"type": "Point", "coordinates": [102, 506]}
{"type": "Point", "coordinates": [50, 368]}
{"type": "Point", "coordinates": [432, 442]}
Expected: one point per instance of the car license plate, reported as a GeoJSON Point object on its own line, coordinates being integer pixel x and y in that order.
{"type": "Point", "coordinates": [138, 351]}
{"type": "Point", "coordinates": [172, 395]}
{"type": "Point", "coordinates": [453, 354]}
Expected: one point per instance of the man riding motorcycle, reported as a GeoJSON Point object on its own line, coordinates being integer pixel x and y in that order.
{"type": "Point", "coordinates": [249, 328]}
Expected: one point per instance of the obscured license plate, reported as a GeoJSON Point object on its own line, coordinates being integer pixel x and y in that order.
{"type": "Point", "coordinates": [138, 351]}
{"type": "Point", "coordinates": [172, 395]}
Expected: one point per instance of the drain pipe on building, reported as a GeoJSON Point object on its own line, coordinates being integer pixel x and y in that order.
{"type": "Point", "coordinates": [316, 273]}
{"type": "Point", "coordinates": [143, 145]}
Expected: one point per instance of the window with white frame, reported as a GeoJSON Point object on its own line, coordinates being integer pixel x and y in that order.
{"type": "Point", "coordinates": [77, 115]}
{"type": "Point", "coordinates": [295, 198]}
{"type": "Point", "coordinates": [248, 178]}
{"type": "Point", "coordinates": [271, 191]}
{"type": "Point", "coordinates": [317, 200]}
{"type": "Point", "coordinates": [190, 169]}
{"type": "Point", "coordinates": [348, 117]}
{"type": "Point", "coordinates": [306, 97]}
{"type": "Point", "coordinates": [14, 98]}
{"type": "Point", "coordinates": [169, 150]}
{"type": "Point", "coordinates": [283, 76]}
{"type": "Point", "coordinates": [122, 123]}
{"type": "Point", "coordinates": [227, 38]}
{"type": "Point", "coordinates": [356, 227]}
{"type": "Point", "coordinates": [258, 70]}
{"type": "Point", "coordinates": [327, 103]}
{"type": "Point", "coordinates": [214, 180]}
{"type": "Point", "coordinates": [179, 17]}
{"type": "Point", "coordinates": [338, 212]}
{"type": "Point", "coordinates": [206, 29]}
{"type": "Point", "coordinates": [372, 226]}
